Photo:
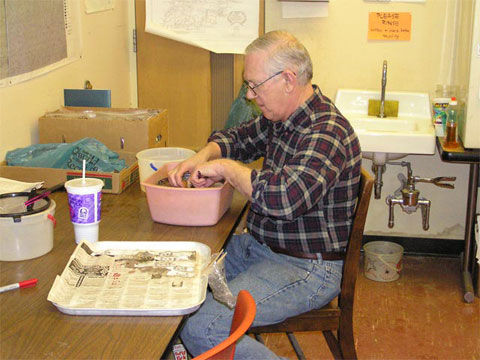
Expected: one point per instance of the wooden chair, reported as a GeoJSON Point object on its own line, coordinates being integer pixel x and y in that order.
{"type": "Point", "coordinates": [338, 314]}
{"type": "Point", "coordinates": [243, 317]}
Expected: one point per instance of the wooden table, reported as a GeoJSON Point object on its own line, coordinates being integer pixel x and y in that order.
{"type": "Point", "coordinates": [460, 155]}
{"type": "Point", "coordinates": [33, 328]}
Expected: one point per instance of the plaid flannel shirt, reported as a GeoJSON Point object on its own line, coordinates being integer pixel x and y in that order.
{"type": "Point", "coordinates": [304, 196]}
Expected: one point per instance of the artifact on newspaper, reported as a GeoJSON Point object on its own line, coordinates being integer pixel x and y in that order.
{"type": "Point", "coordinates": [133, 278]}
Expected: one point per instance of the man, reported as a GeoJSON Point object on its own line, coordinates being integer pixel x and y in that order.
{"type": "Point", "coordinates": [302, 200]}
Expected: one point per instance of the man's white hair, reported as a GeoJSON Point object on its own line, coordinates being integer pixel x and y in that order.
{"type": "Point", "coordinates": [285, 52]}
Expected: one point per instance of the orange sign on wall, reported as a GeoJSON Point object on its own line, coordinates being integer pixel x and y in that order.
{"type": "Point", "coordinates": [395, 26]}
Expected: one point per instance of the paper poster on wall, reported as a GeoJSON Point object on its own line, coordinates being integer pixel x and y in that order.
{"type": "Point", "coordinates": [226, 26]}
{"type": "Point", "coordinates": [393, 26]}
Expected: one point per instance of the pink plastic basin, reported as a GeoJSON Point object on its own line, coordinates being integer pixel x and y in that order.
{"type": "Point", "coordinates": [186, 206]}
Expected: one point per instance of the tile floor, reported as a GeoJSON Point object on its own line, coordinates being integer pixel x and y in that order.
{"type": "Point", "coordinates": [422, 315]}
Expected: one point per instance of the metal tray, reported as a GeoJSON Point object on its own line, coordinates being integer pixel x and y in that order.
{"type": "Point", "coordinates": [122, 251]}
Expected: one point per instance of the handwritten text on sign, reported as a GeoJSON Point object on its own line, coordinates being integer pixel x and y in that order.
{"type": "Point", "coordinates": [389, 26]}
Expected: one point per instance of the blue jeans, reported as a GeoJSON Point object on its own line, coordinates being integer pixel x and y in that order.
{"type": "Point", "coordinates": [282, 286]}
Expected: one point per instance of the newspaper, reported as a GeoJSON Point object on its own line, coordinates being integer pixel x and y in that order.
{"type": "Point", "coordinates": [132, 278]}
{"type": "Point", "coordinates": [11, 186]}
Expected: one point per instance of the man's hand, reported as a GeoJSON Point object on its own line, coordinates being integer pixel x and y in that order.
{"type": "Point", "coordinates": [209, 152]}
{"type": "Point", "coordinates": [235, 173]}
{"type": "Point", "coordinates": [208, 173]}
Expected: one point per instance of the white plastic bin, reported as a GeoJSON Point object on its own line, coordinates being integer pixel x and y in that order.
{"type": "Point", "coordinates": [150, 160]}
{"type": "Point", "coordinates": [29, 236]}
{"type": "Point", "coordinates": [383, 260]}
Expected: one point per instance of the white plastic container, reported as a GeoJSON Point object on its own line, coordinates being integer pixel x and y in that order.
{"type": "Point", "coordinates": [29, 237]}
{"type": "Point", "coordinates": [383, 260]}
{"type": "Point", "coordinates": [150, 160]}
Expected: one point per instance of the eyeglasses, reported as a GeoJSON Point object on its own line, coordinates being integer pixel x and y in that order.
{"type": "Point", "coordinates": [263, 82]}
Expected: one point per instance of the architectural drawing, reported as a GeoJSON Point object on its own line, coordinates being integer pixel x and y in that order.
{"type": "Point", "coordinates": [222, 26]}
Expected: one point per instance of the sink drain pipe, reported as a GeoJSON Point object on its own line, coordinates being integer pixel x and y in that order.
{"type": "Point", "coordinates": [378, 170]}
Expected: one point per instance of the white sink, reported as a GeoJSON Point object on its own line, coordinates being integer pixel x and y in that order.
{"type": "Point", "coordinates": [390, 138]}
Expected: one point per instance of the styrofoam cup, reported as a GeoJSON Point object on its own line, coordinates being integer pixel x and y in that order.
{"type": "Point", "coordinates": [87, 232]}
{"type": "Point", "coordinates": [84, 201]}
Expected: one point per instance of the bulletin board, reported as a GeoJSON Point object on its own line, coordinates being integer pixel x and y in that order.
{"type": "Point", "coordinates": [37, 37]}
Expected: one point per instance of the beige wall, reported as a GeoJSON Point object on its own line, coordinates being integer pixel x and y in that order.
{"type": "Point", "coordinates": [344, 58]}
{"type": "Point", "coordinates": [105, 62]}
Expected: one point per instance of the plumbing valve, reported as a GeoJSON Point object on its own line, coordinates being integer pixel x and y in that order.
{"type": "Point", "coordinates": [409, 198]}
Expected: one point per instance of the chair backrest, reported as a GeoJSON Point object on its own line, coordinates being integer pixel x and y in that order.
{"type": "Point", "coordinates": [350, 267]}
{"type": "Point", "coordinates": [243, 317]}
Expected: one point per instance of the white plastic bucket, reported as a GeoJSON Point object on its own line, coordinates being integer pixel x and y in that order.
{"type": "Point", "coordinates": [382, 260]}
{"type": "Point", "coordinates": [150, 160]}
{"type": "Point", "coordinates": [28, 237]}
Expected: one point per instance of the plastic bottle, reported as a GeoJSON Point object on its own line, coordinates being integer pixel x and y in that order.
{"type": "Point", "coordinates": [451, 124]}
{"type": "Point", "coordinates": [443, 94]}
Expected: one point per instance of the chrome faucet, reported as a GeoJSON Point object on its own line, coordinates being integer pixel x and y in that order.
{"type": "Point", "coordinates": [381, 114]}
{"type": "Point", "coordinates": [409, 198]}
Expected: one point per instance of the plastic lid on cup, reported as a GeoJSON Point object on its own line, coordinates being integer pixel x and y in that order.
{"type": "Point", "coordinates": [84, 186]}
{"type": "Point", "coordinates": [87, 182]}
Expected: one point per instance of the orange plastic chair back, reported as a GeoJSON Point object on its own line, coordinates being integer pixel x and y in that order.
{"type": "Point", "coordinates": [243, 317]}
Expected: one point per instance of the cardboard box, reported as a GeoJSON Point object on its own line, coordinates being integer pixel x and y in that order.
{"type": "Point", "coordinates": [125, 131]}
{"type": "Point", "coordinates": [129, 130]}
{"type": "Point", "coordinates": [115, 183]}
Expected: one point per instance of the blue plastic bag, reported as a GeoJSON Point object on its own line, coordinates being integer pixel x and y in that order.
{"type": "Point", "coordinates": [68, 156]}
{"type": "Point", "coordinates": [242, 109]}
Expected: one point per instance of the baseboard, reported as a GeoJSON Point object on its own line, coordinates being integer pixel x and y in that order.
{"type": "Point", "coordinates": [423, 246]}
